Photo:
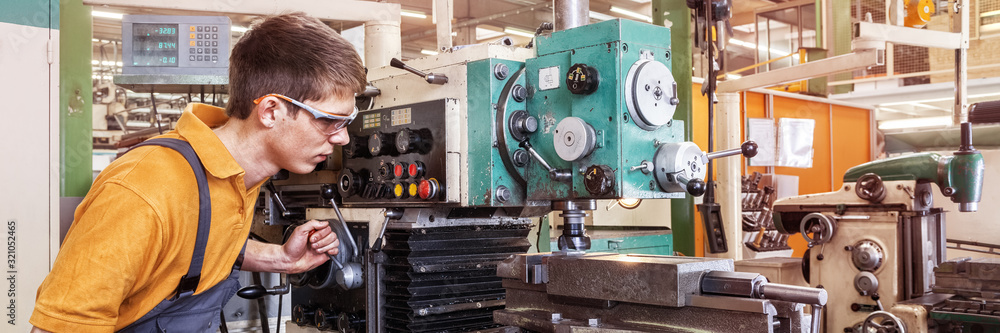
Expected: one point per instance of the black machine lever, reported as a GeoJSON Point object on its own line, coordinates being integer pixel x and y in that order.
{"type": "Point", "coordinates": [432, 78]}
{"type": "Point", "coordinates": [390, 214]}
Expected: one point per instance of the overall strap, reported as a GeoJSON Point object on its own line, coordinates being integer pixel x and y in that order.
{"type": "Point", "coordinates": [189, 282]}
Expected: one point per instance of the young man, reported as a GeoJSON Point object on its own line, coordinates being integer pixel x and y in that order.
{"type": "Point", "coordinates": [136, 234]}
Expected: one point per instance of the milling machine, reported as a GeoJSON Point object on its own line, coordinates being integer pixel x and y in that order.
{"type": "Point", "coordinates": [453, 154]}
{"type": "Point", "coordinates": [878, 245]}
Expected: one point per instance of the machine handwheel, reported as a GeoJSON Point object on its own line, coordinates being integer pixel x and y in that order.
{"type": "Point", "coordinates": [820, 226]}
{"type": "Point", "coordinates": [870, 187]}
{"type": "Point", "coordinates": [883, 322]}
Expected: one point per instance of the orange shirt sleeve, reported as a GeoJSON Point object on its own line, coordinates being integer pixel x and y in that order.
{"type": "Point", "coordinates": [104, 259]}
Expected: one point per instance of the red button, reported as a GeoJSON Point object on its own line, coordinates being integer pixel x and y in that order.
{"type": "Point", "coordinates": [428, 188]}
{"type": "Point", "coordinates": [398, 170]}
{"type": "Point", "coordinates": [416, 169]}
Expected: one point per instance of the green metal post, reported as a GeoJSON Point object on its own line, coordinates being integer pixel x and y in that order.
{"type": "Point", "coordinates": [679, 15]}
{"type": "Point", "coordinates": [75, 99]}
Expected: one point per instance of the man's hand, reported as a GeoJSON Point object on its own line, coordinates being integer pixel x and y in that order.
{"type": "Point", "coordinates": [310, 245]}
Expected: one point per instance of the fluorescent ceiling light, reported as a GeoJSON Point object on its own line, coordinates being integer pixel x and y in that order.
{"type": "Point", "coordinates": [631, 14]}
{"type": "Point", "coordinates": [428, 52]}
{"type": "Point", "coordinates": [412, 13]}
{"type": "Point", "coordinates": [915, 123]}
{"type": "Point", "coordinates": [600, 16]}
{"type": "Point", "coordinates": [116, 16]}
{"type": "Point", "coordinates": [990, 13]}
{"type": "Point", "coordinates": [518, 32]}
{"type": "Point", "coordinates": [483, 33]}
{"type": "Point", "coordinates": [750, 45]}
{"type": "Point", "coordinates": [239, 29]}
{"type": "Point", "coordinates": [941, 99]}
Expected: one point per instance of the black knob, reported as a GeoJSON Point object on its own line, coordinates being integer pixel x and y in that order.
{"type": "Point", "coordinates": [599, 179]}
{"type": "Point", "coordinates": [519, 93]}
{"type": "Point", "coordinates": [358, 147]}
{"type": "Point", "coordinates": [347, 322]}
{"type": "Point", "coordinates": [696, 187]}
{"type": "Point", "coordinates": [582, 79]}
{"type": "Point", "coordinates": [520, 157]}
{"type": "Point", "coordinates": [381, 143]}
{"type": "Point", "coordinates": [323, 319]}
{"type": "Point", "coordinates": [749, 148]}
{"type": "Point", "coordinates": [327, 191]}
{"type": "Point", "coordinates": [302, 316]}
{"type": "Point", "coordinates": [252, 292]}
{"type": "Point", "coordinates": [350, 182]}
{"type": "Point", "coordinates": [413, 141]}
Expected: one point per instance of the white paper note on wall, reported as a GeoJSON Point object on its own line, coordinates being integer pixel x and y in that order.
{"type": "Point", "coordinates": [761, 131]}
{"type": "Point", "coordinates": [795, 142]}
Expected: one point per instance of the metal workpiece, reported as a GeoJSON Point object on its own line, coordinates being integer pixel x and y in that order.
{"type": "Point", "coordinates": [979, 277]}
{"type": "Point", "coordinates": [571, 13]}
{"type": "Point", "coordinates": [629, 278]}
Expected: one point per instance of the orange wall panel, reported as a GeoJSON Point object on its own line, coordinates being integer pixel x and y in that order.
{"type": "Point", "coordinates": [852, 144]}
{"type": "Point", "coordinates": [817, 178]}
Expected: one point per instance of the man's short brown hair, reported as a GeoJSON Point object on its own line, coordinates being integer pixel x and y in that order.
{"type": "Point", "coordinates": [294, 55]}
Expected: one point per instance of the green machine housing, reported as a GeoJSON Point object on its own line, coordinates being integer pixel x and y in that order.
{"type": "Point", "coordinates": [604, 98]}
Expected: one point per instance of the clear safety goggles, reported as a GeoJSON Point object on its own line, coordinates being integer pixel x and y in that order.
{"type": "Point", "coordinates": [326, 122]}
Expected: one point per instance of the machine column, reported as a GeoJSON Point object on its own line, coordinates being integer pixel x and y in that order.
{"type": "Point", "coordinates": [727, 124]}
{"type": "Point", "coordinates": [382, 43]}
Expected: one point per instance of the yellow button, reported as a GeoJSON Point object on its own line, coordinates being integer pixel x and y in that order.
{"type": "Point", "coordinates": [398, 190]}
{"type": "Point", "coordinates": [192, 28]}
{"type": "Point", "coordinates": [413, 189]}
{"type": "Point", "coordinates": [192, 43]}
{"type": "Point", "coordinates": [192, 36]}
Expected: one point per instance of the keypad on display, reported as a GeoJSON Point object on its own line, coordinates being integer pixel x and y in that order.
{"type": "Point", "coordinates": [205, 43]}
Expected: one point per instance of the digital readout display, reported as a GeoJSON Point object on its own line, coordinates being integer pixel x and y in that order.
{"type": "Point", "coordinates": [154, 45]}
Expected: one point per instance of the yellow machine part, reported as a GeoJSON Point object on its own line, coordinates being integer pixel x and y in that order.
{"type": "Point", "coordinates": [918, 13]}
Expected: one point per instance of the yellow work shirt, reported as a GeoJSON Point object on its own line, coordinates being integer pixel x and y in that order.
{"type": "Point", "coordinates": [133, 235]}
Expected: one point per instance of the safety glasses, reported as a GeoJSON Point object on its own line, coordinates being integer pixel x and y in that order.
{"type": "Point", "coordinates": [326, 122]}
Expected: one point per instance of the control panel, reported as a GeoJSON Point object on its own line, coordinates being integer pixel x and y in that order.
{"type": "Point", "coordinates": [397, 156]}
{"type": "Point", "coordinates": [191, 45]}
{"type": "Point", "coordinates": [604, 98]}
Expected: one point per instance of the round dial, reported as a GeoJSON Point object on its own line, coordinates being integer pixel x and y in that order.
{"type": "Point", "coordinates": [650, 94]}
{"type": "Point", "coordinates": [380, 143]}
{"type": "Point", "coordinates": [413, 141]}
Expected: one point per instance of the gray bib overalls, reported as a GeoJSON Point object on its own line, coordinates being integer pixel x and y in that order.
{"type": "Point", "coordinates": [186, 312]}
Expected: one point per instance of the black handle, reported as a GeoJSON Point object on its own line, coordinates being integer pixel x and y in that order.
{"type": "Point", "coordinates": [252, 292]}
{"type": "Point", "coordinates": [397, 63]}
{"type": "Point", "coordinates": [749, 148]}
